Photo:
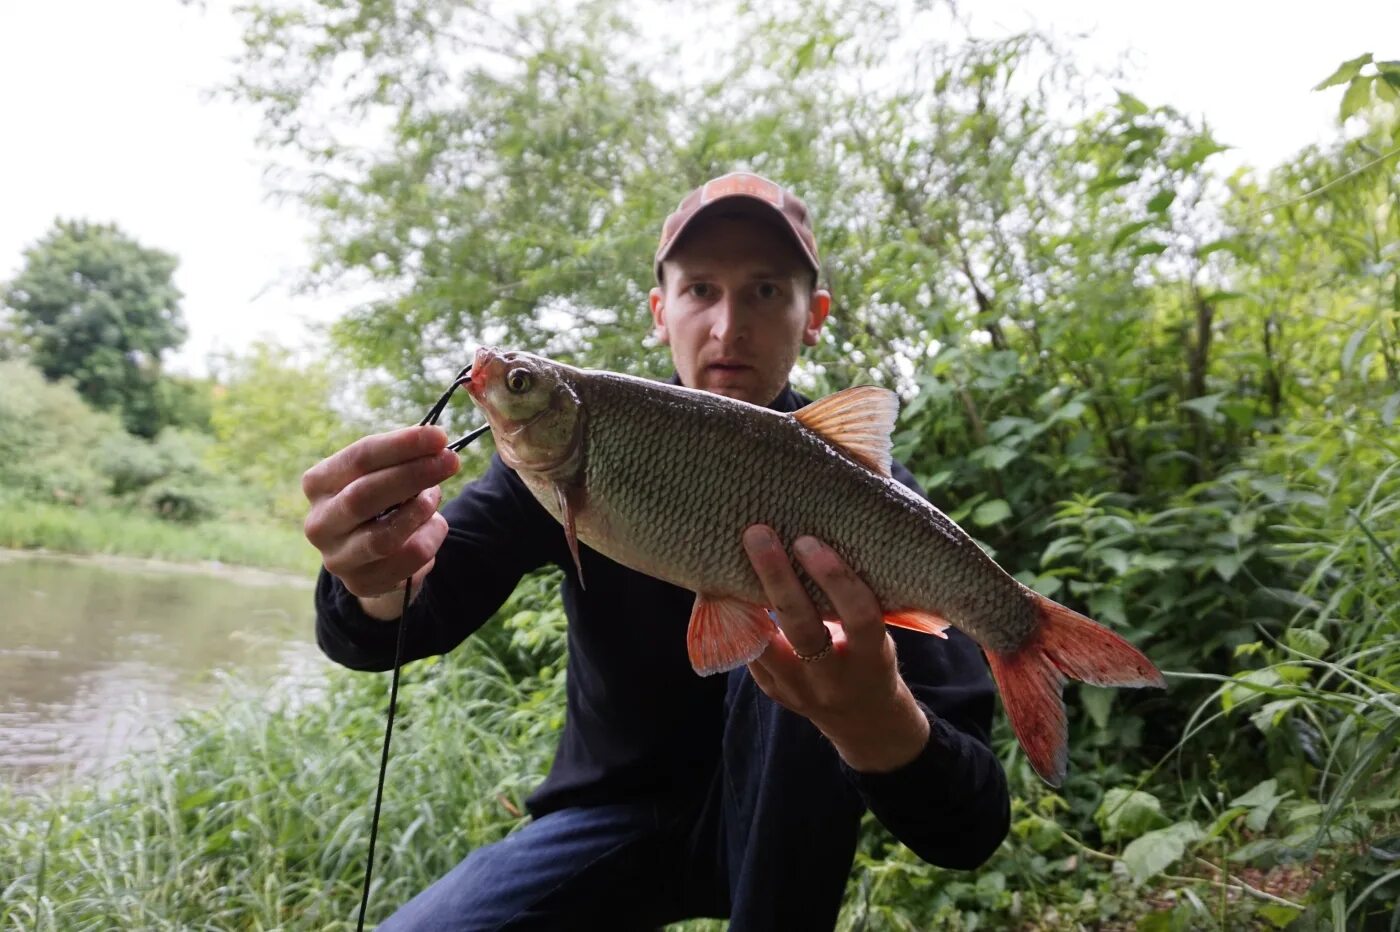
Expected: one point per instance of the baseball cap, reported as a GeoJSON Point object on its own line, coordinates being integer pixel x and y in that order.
{"type": "Point", "coordinates": [751, 192]}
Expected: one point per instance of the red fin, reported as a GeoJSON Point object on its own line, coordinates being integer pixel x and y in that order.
{"type": "Point", "coordinates": [569, 503]}
{"type": "Point", "coordinates": [925, 622]}
{"type": "Point", "coordinates": [858, 420]}
{"type": "Point", "coordinates": [1064, 644]}
{"type": "Point", "coordinates": [726, 633]}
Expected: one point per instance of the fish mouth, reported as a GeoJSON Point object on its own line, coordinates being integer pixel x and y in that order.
{"type": "Point", "coordinates": [481, 362]}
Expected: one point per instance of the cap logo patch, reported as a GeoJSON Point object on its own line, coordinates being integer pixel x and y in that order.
{"type": "Point", "coordinates": [745, 184]}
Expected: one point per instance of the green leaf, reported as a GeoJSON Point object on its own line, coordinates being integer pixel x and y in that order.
{"type": "Point", "coordinates": [1061, 546]}
{"type": "Point", "coordinates": [1153, 853]}
{"type": "Point", "coordinates": [994, 457]}
{"type": "Point", "coordinates": [1110, 182]}
{"type": "Point", "coordinates": [1098, 702]}
{"type": "Point", "coordinates": [1205, 405]}
{"type": "Point", "coordinates": [1149, 249]}
{"type": "Point", "coordinates": [1279, 916]}
{"type": "Point", "coordinates": [1271, 714]}
{"type": "Point", "coordinates": [1352, 345]}
{"type": "Point", "coordinates": [803, 55]}
{"type": "Point", "coordinates": [1306, 641]}
{"type": "Point", "coordinates": [1358, 95]}
{"type": "Point", "coordinates": [1260, 794]}
{"type": "Point", "coordinates": [1347, 71]}
{"type": "Point", "coordinates": [1201, 148]}
{"type": "Point", "coordinates": [1126, 232]}
{"type": "Point", "coordinates": [1226, 565]}
{"type": "Point", "coordinates": [1242, 690]}
{"type": "Point", "coordinates": [1388, 410]}
{"type": "Point", "coordinates": [1114, 559]}
{"type": "Point", "coordinates": [1161, 201]}
{"type": "Point", "coordinates": [1131, 104]}
{"type": "Point", "coordinates": [1128, 813]}
{"type": "Point", "coordinates": [1234, 245]}
{"type": "Point", "coordinates": [989, 513]}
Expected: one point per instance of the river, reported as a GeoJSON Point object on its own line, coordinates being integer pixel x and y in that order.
{"type": "Point", "coordinates": [99, 655]}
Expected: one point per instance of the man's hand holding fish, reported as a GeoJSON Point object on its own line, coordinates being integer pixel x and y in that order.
{"type": "Point", "coordinates": [843, 676]}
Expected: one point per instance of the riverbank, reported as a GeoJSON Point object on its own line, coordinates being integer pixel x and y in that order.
{"type": "Point", "coordinates": [211, 545]}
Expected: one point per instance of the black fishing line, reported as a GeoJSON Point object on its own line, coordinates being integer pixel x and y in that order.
{"type": "Point", "coordinates": [456, 445]}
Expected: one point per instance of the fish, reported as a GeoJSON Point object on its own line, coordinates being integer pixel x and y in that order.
{"type": "Point", "coordinates": [664, 479]}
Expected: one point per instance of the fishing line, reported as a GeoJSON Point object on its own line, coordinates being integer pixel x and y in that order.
{"type": "Point", "coordinates": [430, 418]}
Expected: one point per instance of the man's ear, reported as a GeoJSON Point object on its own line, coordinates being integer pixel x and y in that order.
{"type": "Point", "coordinates": [657, 300]}
{"type": "Point", "coordinates": [817, 310]}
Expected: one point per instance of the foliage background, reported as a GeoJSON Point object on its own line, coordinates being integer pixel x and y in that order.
{"type": "Point", "coordinates": [1162, 394]}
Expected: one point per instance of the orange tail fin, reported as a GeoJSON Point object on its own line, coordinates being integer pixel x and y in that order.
{"type": "Point", "coordinates": [1064, 645]}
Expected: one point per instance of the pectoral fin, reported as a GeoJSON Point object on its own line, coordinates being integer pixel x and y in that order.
{"type": "Point", "coordinates": [570, 501]}
{"type": "Point", "coordinates": [925, 622]}
{"type": "Point", "coordinates": [726, 633]}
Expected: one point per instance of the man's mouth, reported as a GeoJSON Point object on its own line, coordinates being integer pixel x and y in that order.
{"type": "Point", "coordinates": [728, 365]}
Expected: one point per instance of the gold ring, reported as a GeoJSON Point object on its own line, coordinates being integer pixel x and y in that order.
{"type": "Point", "coordinates": [819, 655]}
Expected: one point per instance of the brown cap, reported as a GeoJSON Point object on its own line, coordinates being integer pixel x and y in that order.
{"type": "Point", "coordinates": [748, 189]}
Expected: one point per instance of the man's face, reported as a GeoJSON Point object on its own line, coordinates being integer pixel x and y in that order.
{"type": "Point", "coordinates": [736, 307]}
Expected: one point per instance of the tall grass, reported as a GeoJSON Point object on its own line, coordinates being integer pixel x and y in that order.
{"type": "Point", "coordinates": [30, 524]}
{"type": "Point", "coordinates": [251, 817]}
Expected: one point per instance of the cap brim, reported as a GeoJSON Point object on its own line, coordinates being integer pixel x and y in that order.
{"type": "Point", "coordinates": [740, 203]}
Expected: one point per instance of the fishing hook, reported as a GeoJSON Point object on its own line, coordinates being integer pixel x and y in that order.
{"type": "Point", "coordinates": [460, 443]}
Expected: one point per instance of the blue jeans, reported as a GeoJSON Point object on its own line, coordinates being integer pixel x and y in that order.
{"type": "Point", "coordinates": [769, 847]}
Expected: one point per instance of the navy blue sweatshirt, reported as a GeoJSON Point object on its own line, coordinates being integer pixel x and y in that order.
{"type": "Point", "coordinates": [640, 723]}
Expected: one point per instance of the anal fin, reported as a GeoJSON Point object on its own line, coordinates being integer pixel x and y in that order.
{"type": "Point", "coordinates": [726, 633]}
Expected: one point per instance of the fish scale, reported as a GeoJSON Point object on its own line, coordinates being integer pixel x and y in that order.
{"type": "Point", "coordinates": [660, 451]}
{"type": "Point", "coordinates": [665, 479]}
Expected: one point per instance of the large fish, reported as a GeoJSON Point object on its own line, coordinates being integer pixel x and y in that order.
{"type": "Point", "coordinates": [664, 479]}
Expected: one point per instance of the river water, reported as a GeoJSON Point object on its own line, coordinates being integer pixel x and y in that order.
{"type": "Point", "coordinates": [99, 655]}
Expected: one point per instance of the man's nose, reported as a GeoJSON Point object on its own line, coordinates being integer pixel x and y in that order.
{"type": "Point", "coordinates": [728, 327]}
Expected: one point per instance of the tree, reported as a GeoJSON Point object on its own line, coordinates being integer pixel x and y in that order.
{"type": "Point", "coordinates": [272, 418]}
{"type": "Point", "coordinates": [95, 306]}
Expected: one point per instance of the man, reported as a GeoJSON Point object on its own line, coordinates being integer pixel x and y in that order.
{"type": "Point", "coordinates": [672, 795]}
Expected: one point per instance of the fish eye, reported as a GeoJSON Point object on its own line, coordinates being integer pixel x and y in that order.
{"type": "Point", "coordinates": [518, 381]}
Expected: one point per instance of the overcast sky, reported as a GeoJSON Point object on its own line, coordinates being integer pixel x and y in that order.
{"type": "Point", "coordinates": [104, 115]}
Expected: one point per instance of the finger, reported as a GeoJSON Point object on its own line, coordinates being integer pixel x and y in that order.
{"type": "Point", "coordinates": [370, 496]}
{"type": "Point", "coordinates": [797, 616]}
{"type": "Point", "coordinates": [382, 537]}
{"type": "Point", "coordinates": [370, 454]}
{"type": "Point", "coordinates": [856, 604]}
{"type": "Point", "coordinates": [388, 574]}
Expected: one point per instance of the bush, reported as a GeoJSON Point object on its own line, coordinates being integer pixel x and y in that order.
{"type": "Point", "coordinates": [49, 438]}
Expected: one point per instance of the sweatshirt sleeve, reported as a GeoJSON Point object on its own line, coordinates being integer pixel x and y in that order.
{"type": "Point", "coordinates": [497, 534]}
{"type": "Point", "coordinates": [950, 805]}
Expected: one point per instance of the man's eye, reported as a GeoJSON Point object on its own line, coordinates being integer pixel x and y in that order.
{"type": "Point", "coordinates": [767, 291]}
{"type": "Point", "coordinates": [702, 290]}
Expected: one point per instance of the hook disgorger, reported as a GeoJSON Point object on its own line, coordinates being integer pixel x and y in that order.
{"type": "Point", "coordinates": [460, 443]}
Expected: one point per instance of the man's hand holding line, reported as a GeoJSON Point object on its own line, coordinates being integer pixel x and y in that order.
{"type": "Point", "coordinates": [349, 491]}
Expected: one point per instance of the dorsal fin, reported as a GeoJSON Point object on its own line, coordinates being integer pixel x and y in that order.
{"type": "Point", "coordinates": [858, 420]}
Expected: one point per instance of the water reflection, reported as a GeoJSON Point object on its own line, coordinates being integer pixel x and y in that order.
{"type": "Point", "coordinates": [98, 656]}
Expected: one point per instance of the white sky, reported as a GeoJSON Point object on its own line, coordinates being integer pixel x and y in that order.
{"type": "Point", "coordinates": [104, 116]}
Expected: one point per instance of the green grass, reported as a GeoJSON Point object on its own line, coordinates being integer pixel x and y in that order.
{"type": "Point", "coordinates": [1279, 807]}
{"type": "Point", "coordinates": [258, 817]}
{"type": "Point", "coordinates": [28, 525]}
